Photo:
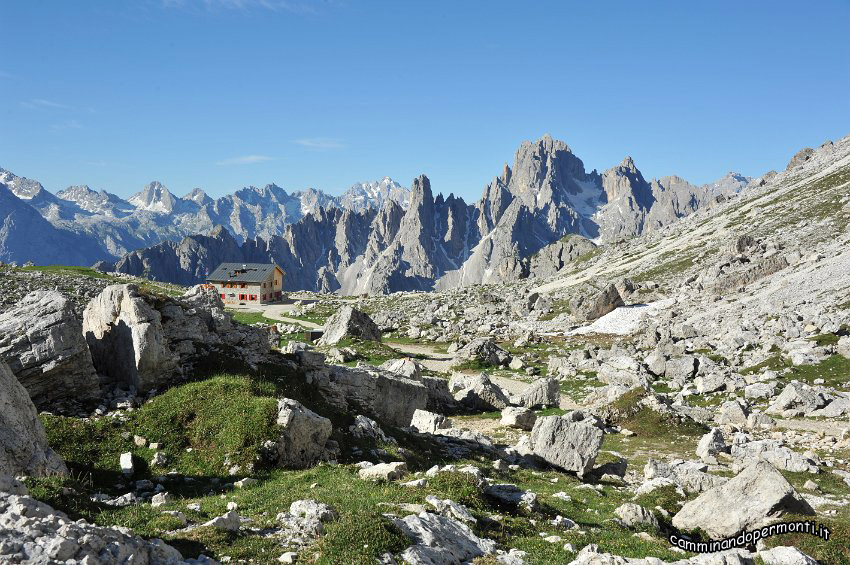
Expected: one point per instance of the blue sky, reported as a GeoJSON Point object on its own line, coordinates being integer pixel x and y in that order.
{"type": "Point", "coordinates": [221, 94]}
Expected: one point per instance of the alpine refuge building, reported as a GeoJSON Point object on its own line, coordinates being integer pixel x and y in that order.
{"type": "Point", "coordinates": [247, 283]}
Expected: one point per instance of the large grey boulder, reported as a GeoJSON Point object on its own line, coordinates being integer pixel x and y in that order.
{"type": "Point", "coordinates": [786, 555]}
{"type": "Point", "coordinates": [543, 392]}
{"type": "Point", "coordinates": [518, 417]}
{"type": "Point", "coordinates": [429, 422]}
{"type": "Point", "coordinates": [633, 515]}
{"type": "Point", "coordinates": [484, 350]}
{"type": "Point", "coordinates": [596, 303]}
{"type": "Point", "coordinates": [733, 412]}
{"type": "Point", "coordinates": [126, 338]}
{"type": "Point", "coordinates": [570, 442]}
{"type": "Point", "coordinates": [146, 341]}
{"type": "Point", "coordinates": [757, 496]}
{"type": "Point", "coordinates": [710, 445]}
{"type": "Point", "coordinates": [440, 539]}
{"type": "Point", "coordinates": [478, 392]}
{"type": "Point", "coordinates": [797, 399]}
{"type": "Point", "coordinates": [390, 398]}
{"type": "Point", "coordinates": [303, 434]}
{"type": "Point", "coordinates": [843, 346]}
{"type": "Point", "coordinates": [42, 341]}
{"type": "Point", "coordinates": [772, 451]}
{"type": "Point", "coordinates": [33, 532]}
{"type": "Point", "coordinates": [349, 322]}
{"type": "Point", "coordinates": [23, 443]}
{"type": "Point", "coordinates": [689, 475]}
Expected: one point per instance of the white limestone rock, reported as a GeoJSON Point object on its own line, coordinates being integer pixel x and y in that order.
{"type": "Point", "coordinates": [23, 442]}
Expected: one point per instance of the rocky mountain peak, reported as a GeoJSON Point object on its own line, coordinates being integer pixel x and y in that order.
{"type": "Point", "coordinates": [546, 171]}
{"type": "Point", "coordinates": [21, 187]}
{"type": "Point", "coordinates": [626, 180]}
{"type": "Point", "coordinates": [154, 198]}
{"type": "Point", "coordinates": [198, 196]}
{"type": "Point", "coordinates": [373, 194]}
{"type": "Point", "coordinates": [628, 164]}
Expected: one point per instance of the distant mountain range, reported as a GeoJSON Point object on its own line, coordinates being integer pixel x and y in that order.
{"type": "Point", "coordinates": [381, 238]}
{"type": "Point", "coordinates": [115, 226]}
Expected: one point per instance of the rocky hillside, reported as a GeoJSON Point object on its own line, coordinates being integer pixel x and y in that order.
{"type": "Point", "coordinates": [108, 226]}
{"type": "Point", "coordinates": [618, 405]}
{"type": "Point", "coordinates": [440, 243]}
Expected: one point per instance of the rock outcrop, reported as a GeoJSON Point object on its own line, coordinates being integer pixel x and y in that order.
{"type": "Point", "coordinates": [23, 442]}
{"type": "Point", "coordinates": [756, 496]}
{"type": "Point", "coordinates": [349, 322]}
{"type": "Point", "coordinates": [42, 341]}
{"type": "Point", "coordinates": [126, 339]}
{"type": "Point", "coordinates": [570, 442]}
{"type": "Point", "coordinates": [33, 532]}
{"type": "Point", "coordinates": [147, 341]}
{"type": "Point", "coordinates": [594, 303]}
{"type": "Point", "coordinates": [303, 435]}
{"type": "Point", "coordinates": [383, 395]}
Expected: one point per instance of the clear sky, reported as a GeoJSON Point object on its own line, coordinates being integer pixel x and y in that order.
{"type": "Point", "coordinates": [221, 94]}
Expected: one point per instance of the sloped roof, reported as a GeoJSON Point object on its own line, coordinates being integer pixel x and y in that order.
{"type": "Point", "coordinates": [242, 272]}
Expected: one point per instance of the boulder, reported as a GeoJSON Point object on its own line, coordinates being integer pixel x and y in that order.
{"type": "Point", "coordinates": [733, 412]}
{"type": "Point", "coordinates": [710, 445]}
{"type": "Point", "coordinates": [303, 435]}
{"type": "Point", "coordinates": [405, 367]}
{"type": "Point", "coordinates": [428, 422]}
{"type": "Point", "coordinates": [367, 428]}
{"type": "Point", "coordinates": [23, 442]}
{"type": "Point", "coordinates": [656, 363]}
{"type": "Point", "coordinates": [543, 392]}
{"type": "Point", "coordinates": [440, 539]}
{"type": "Point", "coordinates": [786, 555]}
{"type": "Point", "coordinates": [760, 390]}
{"type": "Point", "coordinates": [384, 471]}
{"type": "Point", "coordinates": [518, 417]}
{"type": "Point", "coordinates": [681, 369]}
{"type": "Point", "coordinates": [775, 453]}
{"type": "Point", "coordinates": [33, 532]}
{"type": "Point", "coordinates": [596, 303]}
{"type": "Point", "coordinates": [478, 392]}
{"type": "Point", "coordinates": [797, 399]}
{"type": "Point", "coordinates": [754, 498]}
{"type": "Point", "coordinates": [126, 339]}
{"type": "Point", "coordinates": [689, 475]}
{"type": "Point", "coordinates": [390, 398]}
{"type": "Point", "coordinates": [146, 341]}
{"type": "Point", "coordinates": [843, 346]}
{"type": "Point", "coordinates": [42, 341]}
{"type": "Point", "coordinates": [349, 322]}
{"type": "Point", "coordinates": [484, 350]}
{"type": "Point", "coordinates": [570, 442]}
{"type": "Point", "coordinates": [635, 516]}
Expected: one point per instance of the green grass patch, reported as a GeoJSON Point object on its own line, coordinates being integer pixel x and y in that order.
{"type": "Point", "coordinates": [824, 340]}
{"type": "Point", "coordinates": [773, 363]}
{"type": "Point", "coordinates": [834, 370]}
{"type": "Point", "coordinates": [251, 318]}
{"type": "Point", "coordinates": [629, 412]}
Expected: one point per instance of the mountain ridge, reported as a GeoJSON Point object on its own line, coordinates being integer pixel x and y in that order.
{"type": "Point", "coordinates": [442, 242]}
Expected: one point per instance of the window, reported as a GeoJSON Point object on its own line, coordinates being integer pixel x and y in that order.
{"type": "Point", "coordinates": [244, 285]}
{"type": "Point", "coordinates": [222, 296]}
{"type": "Point", "coordinates": [264, 297]}
{"type": "Point", "coordinates": [264, 285]}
